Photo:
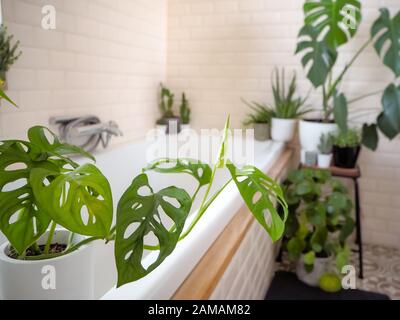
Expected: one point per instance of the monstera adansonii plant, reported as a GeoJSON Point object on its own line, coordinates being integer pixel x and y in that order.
{"type": "Point", "coordinates": [330, 24]}
{"type": "Point", "coordinates": [41, 187]}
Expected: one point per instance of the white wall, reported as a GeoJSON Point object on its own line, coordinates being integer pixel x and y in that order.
{"type": "Point", "coordinates": [222, 50]}
{"type": "Point", "coordinates": [105, 58]}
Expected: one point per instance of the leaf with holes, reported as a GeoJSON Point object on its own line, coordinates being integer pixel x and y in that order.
{"type": "Point", "coordinates": [259, 193]}
{"type": "Point", "coordinates": [318, 57]}
{"type": "Point", "coordinates": [79, 200]}
{"type": "Point", "coordinates": [21, 219]}
{"type": "Point", "coordinates": [386, 32]}
{"type": "Point", "coordinates": [336, 20]}
{"type": "Point", "coordinates": [145, 214]}
{"type": "Point", "coordinates": [200, 171]}
{"type": "Point", "coordinates": [47, 148]}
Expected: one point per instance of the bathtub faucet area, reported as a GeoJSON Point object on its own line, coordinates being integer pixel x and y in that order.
{"type": "Point", "coordinates": [86, 131]}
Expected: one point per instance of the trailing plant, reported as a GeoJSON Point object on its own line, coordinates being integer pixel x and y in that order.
{"type": "Point", "coordinates": [319, 220]}
{"type": "Point", "coordinates": [330, 24]}
{"type": "Point", "coordinates": [286, 104]}
{"type": "Point", "coordinates": [261, 114]}
{"type": "Point", "coordinates": [184, 110]}
{"type": "Point", "coordinates": [347, 139]}
{"type": "Point", "coordinates": [326, 144]}
{"type": "Point", "coordinates": [41, 186]}
{"type": "Point", "coordinates": [166, 102]}
{"type": "Point", "coordinates": [8, 52]}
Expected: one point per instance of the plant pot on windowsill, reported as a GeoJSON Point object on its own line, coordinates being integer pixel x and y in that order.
{"type": "Point", "coordinates": [261, 131]}
{"type": "Point", "coordinates": [282, 130]}
{"type": "Point", "coordinates": [346, 157]}
{"type": "Point", "coordinates": [62, 278]}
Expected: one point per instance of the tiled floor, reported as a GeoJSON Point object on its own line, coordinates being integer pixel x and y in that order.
{"type": "Point", "coordinates": [381, 270]}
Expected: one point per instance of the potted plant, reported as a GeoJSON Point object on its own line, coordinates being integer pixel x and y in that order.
{"type": "Point", "coordinates": [52, 209]}
{"type": "Point", "coordinates": [346, 148]}
{"type": "Point", "coordinates": [8, 54]}
{"type": "Point", "coordinates": [260, 119]}
{"type": "Point", "coordinates": [287, 107]}
{"type": "Point", "coordinates": [168, 122]}
{"type": "Point", "coordinates": [325, 151]}
{"type": "Point", "coordinates": [318, 224]}
{"type": "Point", "coordinates": [328, 25]}
{"type": "Point", "coordinates": [184, 111]}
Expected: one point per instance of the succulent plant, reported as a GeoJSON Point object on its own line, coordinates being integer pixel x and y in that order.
{"type": "Point", "coordinates": [185, 110]}
{"type": "Point", "coordinates": [325, 144]}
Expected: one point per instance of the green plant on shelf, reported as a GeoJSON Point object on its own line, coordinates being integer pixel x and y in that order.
{"type": "Point", "coordinates": [9, 53]}
{"type": "Point", "coordinates": [184, 110]}
{"type": "Point", "coordinates": [347, 139]}
{"type": "Point", "coordinates": [325, 144]}
{"type": "Point", "coordinates": [166, 103]}
{"type": "Point", "coordinates": [54, 190]}
{"type": "Point", "coordinates": [330, 24]}
{"type": "Point", "coordinates": [319, 220]}
{"type": "Point", "coordinates": [261, 114]}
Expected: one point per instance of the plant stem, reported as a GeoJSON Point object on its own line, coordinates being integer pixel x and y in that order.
{"type": "Point", "coordinates": [50, 237]}
{"type": "Point", "coordinates": [70, 239]}
{"type": "Point", "coordinates": [342, 74]}
{"type": "Point", "coordinates": [364, 96]}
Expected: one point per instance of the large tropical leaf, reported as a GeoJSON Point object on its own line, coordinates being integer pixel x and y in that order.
{"type": "Point", "coordinates": [48, 148]}
{"type": "Point", "coordinates": [337, 20]}
{"type": "Point", "coordinates": [200, 171]}
{"type": "Point", "coordinates": [391, 106]}
{"type": "Point", "coordinates": [387, 42]}
{"type": "Point", "coordinates": [319, 57]}
{"type": "Point", "coordinates": [140, 215]}
{"type": "Point", "coordinates": [260, 193]}
{"type": "Point", "coordinates": [340, 111]}
{"type": "Point", "coordinates": [21, 219]}
{"type": "Point", "coordinates": [79, 200]}
{"type": "Point", "coordinates": [370, 136]}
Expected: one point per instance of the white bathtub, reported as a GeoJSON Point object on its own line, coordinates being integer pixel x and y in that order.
{"type": "Point", "coordinates": [120, 165]}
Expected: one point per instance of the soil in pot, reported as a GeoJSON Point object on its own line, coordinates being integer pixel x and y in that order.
{"type": "Point", "coordinates": [346, 157]}
{"type": "Point", "coordinates": [54, 248]}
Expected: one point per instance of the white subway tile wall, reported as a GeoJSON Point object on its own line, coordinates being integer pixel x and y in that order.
{"type": "Point", "coordinates": [105, 58]}
{"type": "Point", "coordinates": [220, 51]}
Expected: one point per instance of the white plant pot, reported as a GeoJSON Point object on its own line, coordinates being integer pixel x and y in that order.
{"type": "Point", "coordinates": [282, 130]}
{"type": "Point", "coordinates": [162, 128]}
{"type": "Point", "coordinates": [321, 265]}
{"type": "Point", "coordinates": [185, 127]}
{"type": "Point", "coordinates": [310, 133]}
{"type": "Point", "coordinates": [261, 131]}
{"type": "Point", "coordinates": [324, 160]}
{"type": "Point", "coordinates": [62, 278]}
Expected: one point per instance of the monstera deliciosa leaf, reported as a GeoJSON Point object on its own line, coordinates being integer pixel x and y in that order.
{"type": "Point", "coordinates": [319, 57]}
{"type": "Point", "coordinates": [389, 120]}
{"type": "Point", "coordinates": [260, 193]}
{"type": "Point", "coordinates": [386, 32]}
{"type": "Point", "coordinates": [21, 219]}
{"type": "Point", "coordinates": [337, 20]}
{"type": "Point", "coordinates": [79, 200]}
{"type": "Point", "coordinates": [340, 111]}
{"type": "Point", "coordinates": [200, 171]}
{"type": "Point", "coordinates": [140, 215]}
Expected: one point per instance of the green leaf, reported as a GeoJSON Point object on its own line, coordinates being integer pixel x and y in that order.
{"type": "Point", "coordinates": [200, 171]}
{"type": "Point", "coordinates": [329, 17]}
{"type": "Point", "coordinates": [304, 188]}
{"type": "Point", "coordinates": [387, 45]}
{"type": "Point", "coordinates": [21, 219]}
{"type": "Point", "coordinates": [318, 58]}
{"type": "Point", "coordinates": [340, 111]}
{"type": "Point", "coordinates": [5, 97]}
{"type": "Point", "coordinates": [221, 160]}
{"type": "Point", "coordinates": [79, 200]}
{"type": "Point", "coordinates": [342, 257]}
{"type": "Point", "coordinates": [385, 125]}
{"type": "Point", "coordinates": [318, 239]}
{"type": "Point", "coordinates": [316, 214]}
{"type": "Point", "coordinates": [295, 247]}
{"type": "Point", "coordinates": [370, 136]}
{"type": "Point", "coordinates": [337, 201]}
{"type": "Point", "coordinates": [37, 136]}
{"type": "Point", "coordinates": [145, 213]}
{"type": "Point", "coordinates": [309, 258]}
{"type": "Point", "coordinates": [346, 230]}
{"type": "Point", "coordinates": [259, 193]}
{"type": "Point", "coordinates": [391, 106]}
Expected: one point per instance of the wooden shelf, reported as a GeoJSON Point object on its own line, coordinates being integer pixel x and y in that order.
{"type": "Point", "coordinates": [339, 172]}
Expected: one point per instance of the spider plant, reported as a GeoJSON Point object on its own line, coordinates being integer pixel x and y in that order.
{"type": "Point", "coordinates": [286, 104]}
{"type": "Point", "coordinates": [261, 114]}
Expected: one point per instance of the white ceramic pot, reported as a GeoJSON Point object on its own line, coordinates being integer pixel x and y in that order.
{"type": "Point", "coordinates": [324, 160]}
{"type": "Point", "coordinates": [282, 130]}
{"type": "Point", "coordinates": [185, 127]}
{"type": "Point", "coordinates": [162, 128]}
{"type": "Point", "coordinates": [62, 278]}
{"type": "Point", "coordinates": [321, 265]}
{"type": "Point", "coordinates": [310, 133]}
